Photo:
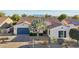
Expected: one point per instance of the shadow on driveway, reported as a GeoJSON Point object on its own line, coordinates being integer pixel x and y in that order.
{"type": "Point", "coordinates": [22, 38]}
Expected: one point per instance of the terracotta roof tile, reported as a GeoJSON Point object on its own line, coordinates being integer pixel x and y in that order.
{"type": "Point", "coordinates": [2, 19]}
{"type": "Point", "coordinates": [54, 22]}
{"type": "Point", "coordinates": [25, 20]}
{"type": "Point", "coordinates": [72, 21]}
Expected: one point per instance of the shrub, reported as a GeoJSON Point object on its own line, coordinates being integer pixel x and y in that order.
{"type": "Point", "coordinates": [40, 34]}
{"type": "Point", "coordinates": [33, 34]}
{"type": "Point", "coordinates": [53, 40]}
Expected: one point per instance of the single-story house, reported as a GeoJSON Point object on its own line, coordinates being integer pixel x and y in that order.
{"type": "Point", "coordinates": [5, 23]}
{"type": "Point", "coordinates": [50, 21]}
{"type": "Point", "coordinates": [22, 26]}
{"type": "Point", "coordinates": [57, 30]}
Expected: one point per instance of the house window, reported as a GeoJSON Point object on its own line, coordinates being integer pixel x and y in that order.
{"type": "Point", "coordinates": [62, 34]}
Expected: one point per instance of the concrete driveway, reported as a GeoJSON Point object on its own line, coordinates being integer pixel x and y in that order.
{"type": "Point", "coordinates": [22, 38]}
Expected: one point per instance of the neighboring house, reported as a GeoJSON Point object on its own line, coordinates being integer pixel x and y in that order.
{"type": "Point", "coordinates": [27, 25]}
{"type": "Point", "coordinates": [71, 20]}
{"type": "Point", "coordinates": [22, 26]}
{"type": "Point", "coordinates": [57, 30]}
{"type": "Point", "coordinates": [5, 23]}
{"type": "Point", "coordinates": [51, 20]}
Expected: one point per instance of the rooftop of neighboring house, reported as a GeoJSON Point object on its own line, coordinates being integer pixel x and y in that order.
{"type": "Point", "coordinates": [2, 19]}
{"type": "Point", "coordinates": [53, 22]}
{"type": "Point", "coordinates": [27, 20]}
{"type": "Point", "coordinates": [71, 20]}
{"type": "Point", "coordinates": [55, 25]}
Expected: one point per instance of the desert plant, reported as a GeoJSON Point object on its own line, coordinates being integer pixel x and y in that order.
{"type": "Point", "coordinates": [53, 40]}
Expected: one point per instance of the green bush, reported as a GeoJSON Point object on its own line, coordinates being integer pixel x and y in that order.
{"type": "Point", "coordinates": [40, 34]}
{"type": "Point", "coordinates": [14, 23]}
{"type": "Point", "coordinates": [53, 40]}
{"type": "Point", "coordinates": [33, 34]}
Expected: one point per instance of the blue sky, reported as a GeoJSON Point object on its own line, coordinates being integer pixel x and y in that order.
{"type": "Point", "coordinates": [42, 12]}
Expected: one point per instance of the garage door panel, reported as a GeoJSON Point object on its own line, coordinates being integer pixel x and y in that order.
{"type": "Point", "coordinates": [22, 31]}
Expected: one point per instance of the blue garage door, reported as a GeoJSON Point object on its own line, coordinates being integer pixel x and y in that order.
{"type": "Point", "coordinates": [22, 31]}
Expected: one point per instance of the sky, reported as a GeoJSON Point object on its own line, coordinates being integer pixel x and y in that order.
{"type": "Point", "coordinates": [41, 12]}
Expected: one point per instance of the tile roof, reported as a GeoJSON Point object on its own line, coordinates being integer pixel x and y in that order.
{"type": "Point", "coordinates": [54, 22]}
{"type": "Point", "coordinates": [25, 20]}
{"type": "Point", "coordinates": [72, 21]}
{"type": "Point", "coordinates": [2, 19]}
{"type": "Point", "coordinates": [54, 25]}
{"type": "Point", "coordinates": [28, 20]}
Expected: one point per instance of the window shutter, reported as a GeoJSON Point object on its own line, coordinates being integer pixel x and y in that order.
{"type": "Point", "coordinates": [64, 33]}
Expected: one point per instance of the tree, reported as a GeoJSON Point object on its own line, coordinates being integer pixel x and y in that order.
{"type": "Point", "coordinates": [15, 17]}
{"type": "Point", "coordinates": [24, 15]}
{"type": "Point", "coordinates": [46, 15]}
{"type": "Point", "coordinates": [76, 17]}
{"type": "Point", "coordinates": [36, 26]}
{"type": "Point", "coordinates": [2, 14]}
{"type": "Point", "coordinates": [74, 34]}
{"type": "Point", "coordinates": [62, 16]}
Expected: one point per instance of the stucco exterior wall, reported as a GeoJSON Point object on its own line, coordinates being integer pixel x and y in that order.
{"type": "Point", "coordinates": [54, 31]}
